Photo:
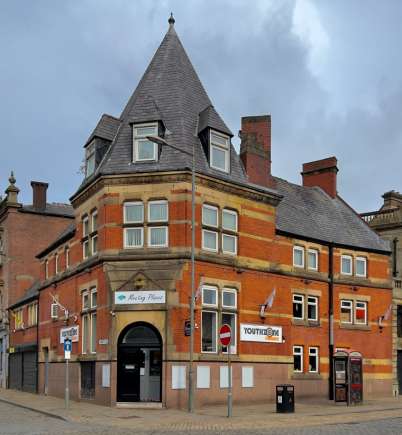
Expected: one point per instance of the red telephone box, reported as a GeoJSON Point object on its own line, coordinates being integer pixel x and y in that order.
{"type": "Point", "coordinates": [348, 377]}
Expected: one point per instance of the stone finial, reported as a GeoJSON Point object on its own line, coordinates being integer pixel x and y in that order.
{"type": "Point", "coordinates": [12, 190]}
{"type": "Point", "coordinates": [171, 20]}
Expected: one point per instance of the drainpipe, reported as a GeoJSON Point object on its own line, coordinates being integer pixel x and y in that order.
{"type": "Point", "coordinates": [37, 348]}
{"type": "Point", "coordinates": [331, 319]}
{"type": "Point", "coordinates": [394, 257]}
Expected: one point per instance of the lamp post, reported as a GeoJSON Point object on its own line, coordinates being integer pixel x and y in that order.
{"type": "Point", "coordinates": [161, 141]}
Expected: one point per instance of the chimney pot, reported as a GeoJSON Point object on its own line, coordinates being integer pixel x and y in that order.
{"type": "Point", "coordinates": [39, 194]}
{"type": "Point", "coordinates": [321, 173]}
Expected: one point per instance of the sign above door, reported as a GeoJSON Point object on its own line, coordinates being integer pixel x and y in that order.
{"type": "Point", "coordinates": [139, 297]}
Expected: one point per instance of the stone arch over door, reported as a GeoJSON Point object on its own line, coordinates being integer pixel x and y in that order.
{"type": "Point", "coordinates": [139, 364]}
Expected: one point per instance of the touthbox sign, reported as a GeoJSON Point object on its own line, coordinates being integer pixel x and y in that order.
{"type": "Point", "coordinates": [260, 333]}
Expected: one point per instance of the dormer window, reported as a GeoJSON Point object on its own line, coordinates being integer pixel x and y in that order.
{"type": "Point", "coordinates": [219, 151]}
{"type": "Point", "coordinates": [144, 149]}
{"type": "Point", "coordinates": [90, 159]}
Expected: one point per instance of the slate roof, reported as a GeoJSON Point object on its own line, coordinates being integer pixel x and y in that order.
{"type": "Point", "coordinates": [65, 235]}
{"type": "Point", "coordinates": [170, 91]}
{"type": "Point", "coordinates": [53, 209]}
{"type": "Point", "coordinates": [106, 128]}
{"type": "Point", "coordinates": [30, 294]}
{"type": "Point", "coordinates": [311, 213]}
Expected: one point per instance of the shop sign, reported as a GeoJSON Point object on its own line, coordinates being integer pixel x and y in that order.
{"type": "Point", "coordinates": [72, 333]}
{"type": "Point", "coordinates": [260, 333]}
{"type": "Point", "coordinates": [139, 297]}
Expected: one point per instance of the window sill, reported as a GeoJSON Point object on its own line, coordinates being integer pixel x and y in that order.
{"type": "Point", "coordinates": [87, 357]}
{"type": "Point", "coordinates": [306, 323]}
{"type": "Point", "coordinates": [355, 327]}
{"type": "Point", "coordinates": [306, 376]}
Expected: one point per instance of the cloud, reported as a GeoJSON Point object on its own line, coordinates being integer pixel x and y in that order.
{"type": "Point", "coordinates": [329, 73]}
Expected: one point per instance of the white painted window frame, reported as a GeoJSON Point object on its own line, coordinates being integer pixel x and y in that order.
{"type": "Point", "coordinates": [161, 201]}
{"type": "Point", "coordinates": [149, 229]}
{"type": "Point", "coordinates": [220, 147]}
{"type": "Point", "coordinates": [214, 208]}
{"type": "Point", "coordinates": [124, 212]}
{"type": "Point", "coordinates": [125, 238]}
{"type": "Point", "coordinates": [233, 236]}
{"type": "Point", "coordinates": [315, 253]}
{"type": "Point", "coordinates": [298, 350]}
{"type": "Point", "coordinates": [302, 250]}
{"type": "Point", "coordinates": [364, 261]}
{"type": "Point", "coordinates": [350, 258]}
{"type": "Point", "coordinates": [137, 138]}
{"type": "Point", "coordinates": [315, 303]}
{"type": "Point", "coordinates": [215, 290]}
{"type": "Point", "coordinates": [232, 291]}
{"type": "Point", "coordinates": [233, 213]}
{"type": "Point", "coordinates": [347, 304]}
{"type": "Point", "coordinates": [365, 304]}
{"type": "Point", "coordinates": [205, 248]}
{"type": "Point", "coordinates": [316, 354]}
{"type": "Point", "coordinates": [216, 331]}
{"type": "Point", "coordinates": [302, 302]}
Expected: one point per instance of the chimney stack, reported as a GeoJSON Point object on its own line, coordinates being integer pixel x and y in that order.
{"type": "Point", "coordinates": [321, 173]}
{"type": "Point", "coordinates": [39, 194]}
{"type": "Point", "coordinates": [392, 199]}
{"type": "Point", "coordinates": [255, 149]}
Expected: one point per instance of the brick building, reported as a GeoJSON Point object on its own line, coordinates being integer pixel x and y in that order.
{"type": "Point", "coordinates": [24, 229]}
{"type": "Point", "coordinates": [387, 222]}
{"type": "Point", "coordinates": [293, 269]}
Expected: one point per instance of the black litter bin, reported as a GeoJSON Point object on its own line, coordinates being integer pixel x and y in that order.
{"type": "Point", "coordinates": [285, 398]}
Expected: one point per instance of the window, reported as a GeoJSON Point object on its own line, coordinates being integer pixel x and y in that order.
{"type": "Point", "coordinates": [19, 318]}
{"type": "Point", "coordinates": [229, 316]}
{"type": "Point", "coordinates": [229, 223]}
{"type": "Point", "coordinates": [361, 313]}
{"type": "Point", "coordinates": [46, 269]}
{"type": "Point", "coordinates": [85, 233]}
{"type": "Point", "coordinates": [313, 359]}
{"type": "Point", "coordinates": [210, 232]}
{"type": "Point", "coordinates": [298, 256]}
{"type": "Point", "coordinates": [312, 259]}
{"type": "Point", "coordinates": [88, 320]}
{"type": "Point", "coordinates": [346, 311]}
{"type": "Point", "coordinates": [33, 314]}
{"type": "Point", "coordinates": [354, 312]}
{"type": "Point", "coordinates": [312, 308]}
{"type": "Point", "coordinates": [94, 232]}
{"type": "Point", "coordinates": [361, 267]}
{"type": "Point", "coordinates": [298, 306]}
{"type": "Point", "coordinates": [56, 262]}
{"type": "Point", "coordinates": [219, 151]}
{"type": "Point", "coordinates": [399, 321]}
{"type": "Point", "coordinates": [208, 331]}
{"type": "Point", "coordinates": [90, 159]}
{"type": "Point", "coordinates": [298, 359]}
{"type": "Point", "coordinates": [346, 265]}
{"type": "Point", "coordinates": [210, 296]}
{"type": "Point", "coordinates": [144, 149]}
{"type": "Point", "coordinates": [67, 254]}
{"type": "Point", "coordinates": [158, 236]}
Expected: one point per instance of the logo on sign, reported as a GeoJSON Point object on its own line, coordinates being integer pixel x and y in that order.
{"type": "Point", "coordinates": [72, 333]}
{"type": "Point", "coordinates": [139, 297]}
{"type": "Point", "coordinates": [261, 333]}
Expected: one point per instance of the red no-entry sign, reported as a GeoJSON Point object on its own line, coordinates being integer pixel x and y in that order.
{"type": "Point", "coordinates": [225, 335]}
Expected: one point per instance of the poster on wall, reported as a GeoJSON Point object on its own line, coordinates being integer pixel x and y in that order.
{"type": "Point", "coordinates": [260, 333]}
{"type": "Point", "coordinates": [139, 297]}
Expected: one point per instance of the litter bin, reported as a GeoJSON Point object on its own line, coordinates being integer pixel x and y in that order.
{"type": "Point", "coordinates": [285, 398]}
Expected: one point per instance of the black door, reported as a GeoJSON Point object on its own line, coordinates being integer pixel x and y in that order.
{"type": "Point", "coordinates": [88, 379]}
{"type": "Point", "coordinates": [30, 374]}
{"type": "Point", "coordinates": [399, 369]}
{"type": "Point", "coordinates": [131, 361]}
{"type": "Point", "coordinates": [15, 371]}
{"type": "Point", "coordinates": [139, 364]}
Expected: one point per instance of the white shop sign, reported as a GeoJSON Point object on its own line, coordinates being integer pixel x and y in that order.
{"type": "Point", "coordinates": [260, 333]}
{"type": "Point", "coordinates": [139, 297]}
{"type": "Point", "coordinates": [72, 333]}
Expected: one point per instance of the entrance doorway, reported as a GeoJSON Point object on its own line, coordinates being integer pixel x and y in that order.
{"type": "Point", "coordinates": [139, 364]}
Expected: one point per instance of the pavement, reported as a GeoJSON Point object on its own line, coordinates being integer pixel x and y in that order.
{"type": "Point", "coordinates": [251, 418]}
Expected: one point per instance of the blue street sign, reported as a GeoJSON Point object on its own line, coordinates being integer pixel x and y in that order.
{"type": "Point", "coordinates": [67, 345]}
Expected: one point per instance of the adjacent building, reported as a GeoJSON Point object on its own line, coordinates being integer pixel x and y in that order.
{"type": "Point", "coordinates": [24, 228]}
{"type": "Point", "coordinates": [387, 222]}
{"type": "Point", "coordinates": [291, 268]}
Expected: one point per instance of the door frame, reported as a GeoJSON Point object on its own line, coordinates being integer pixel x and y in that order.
{"type": "Point", "coordinates": [120, 338]}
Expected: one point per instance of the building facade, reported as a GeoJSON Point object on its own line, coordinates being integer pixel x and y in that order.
{"type": "Point", "coordinates": [292, 269]}
{"type": "Point", "coordinates": [24, 229]}
{"type": "Point", "coordinates": [387, 222]}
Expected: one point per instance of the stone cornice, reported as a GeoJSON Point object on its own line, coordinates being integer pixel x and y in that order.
{"type": "Point", "coordinates": [253, 193]}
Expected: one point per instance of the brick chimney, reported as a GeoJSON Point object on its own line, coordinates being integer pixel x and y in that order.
{"type": "Point", "coordinates": [39, 194]}
{"type": "Point", "coordinates": [255, 149]}
{"type": "Point", "coordinates": [321, 173]}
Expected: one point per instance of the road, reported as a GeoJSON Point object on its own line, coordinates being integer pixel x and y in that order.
{"type": "Point", "coordinates": [17, 421]}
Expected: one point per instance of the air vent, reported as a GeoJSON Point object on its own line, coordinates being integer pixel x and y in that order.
{"type": "Point", "coordinates": [54, 311]}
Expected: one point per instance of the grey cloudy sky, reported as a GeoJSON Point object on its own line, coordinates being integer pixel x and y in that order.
{"type": "Point", "coordinates": [329, 72]}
